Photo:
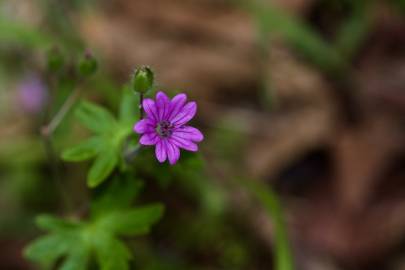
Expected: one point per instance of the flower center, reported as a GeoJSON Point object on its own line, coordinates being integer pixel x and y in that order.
{"type": "Point", "coordinates": [164, 128]}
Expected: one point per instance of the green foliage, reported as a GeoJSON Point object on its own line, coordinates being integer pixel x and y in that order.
{"type": "Point", "coordinates": [12, 32]}
{"type": "Point", "coordinates": [400, 4]}
{"type": "Point", "coordinates": [105, 146]}
{"type": "Point", "coordinates": [83, 242]}
{"type": "Point", "coordinates": [95, 117]}
{"type": "Point", "coordinates": [102, 167]}
{"type": "Point", "coordinates": [83, 151]}
{"type": "Point", "coordinates": [353, 30]}
{"type": "Point", "coordinates": [271, 203]}
{"type": "Point", "coordinates": [332, 57]}
{"type": "Point", "coordinates": [271, 20]}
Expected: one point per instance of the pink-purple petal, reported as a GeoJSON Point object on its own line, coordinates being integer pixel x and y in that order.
{"type": "Point", "coordinates": [149, 139]}
{"type": "Point", "coordinates": [184, 144]}
{"type": "Point", "coordinates": [189, 133]}
{"type": "Point", "coordinates": [176, 104]}
{"type": "Point", "coordinates": [160, 151]}
{"type": "Point", "coordinates": [143, 126]}
{"type": "Point", "coordinates": [150, 108]}
{"type": "Point", "coordinates": [173, 152]}
{"type": "Point", "coordinates": [162, 105]}
{"type": "Point", "coordinates": [186, 114]}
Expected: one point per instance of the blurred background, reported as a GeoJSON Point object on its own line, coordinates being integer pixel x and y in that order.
{"type": "Point", "coordinates": [304, 96]}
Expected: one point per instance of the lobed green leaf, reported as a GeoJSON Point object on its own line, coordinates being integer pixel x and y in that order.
{"type": "Point", "coordinates": [111, 253]}
{"type": "Point", "coordinates": [47, 249]}
{"type": "Point", "coordinates": [84, 151]}
{"type": "Point", "coordinates": [51, 223]}
{"type": "Point", "coordinates": [102, 167]}
{"type": "Point", "coordinates": [95, 117]}
{"type": "Point", "coordinates": [77, 259]}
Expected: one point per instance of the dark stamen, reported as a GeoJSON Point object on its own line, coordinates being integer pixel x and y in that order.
{"type": "Point", "coordinates": [164, 129]}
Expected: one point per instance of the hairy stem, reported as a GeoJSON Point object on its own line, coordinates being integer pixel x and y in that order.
{"type": "Point", "coordinates": [140, 106]}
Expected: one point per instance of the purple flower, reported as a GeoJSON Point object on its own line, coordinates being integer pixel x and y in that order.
{"type": "Point", "coordinates": [32, 94]}
{"type": "Point", "coordinates": [165, 126]}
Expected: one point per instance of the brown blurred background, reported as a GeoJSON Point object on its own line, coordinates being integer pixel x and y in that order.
{"type": "Point", "coordinates": [330, 141]}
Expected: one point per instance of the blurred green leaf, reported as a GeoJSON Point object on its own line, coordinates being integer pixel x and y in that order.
{"type": "Point", "coordinates": [132, 222]}
{"type": "Point", "coordinates": [400, 4]}
{"type": "Point", "coordinates": [270, 201]}
{"type": "Point", "coordinates": [95, 117]}
{"type": "Point", "coordinates": [77, 258]}
{"type": "Point", "coordinates": [76, 244]}
{"type": "Point", "coordinates": [83, 151]}
{"type": "Point", "coordinates": [118, 194]}
{"type": "Point", "coordinates": [354, 30]}
{"type": "Point", "coordinates": [47, 249]}
{"type": "Point", "coordinates": [102, 167]}
{"type": "Point", "coordinates": [304, 39]}
{"type": "Point", "coordinates": [111, 253]}
{"type": "Point", "coordinates": [51, 223]}
{"type": "Point", "coordinates": [21, 34]}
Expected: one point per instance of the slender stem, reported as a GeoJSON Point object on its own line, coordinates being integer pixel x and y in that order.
{"type": "Point", "coordinates": [130, 154]}
{"type": "Point", "coordinates": [60, 115]}
{"type": "Point", "coordinates": [47, 132]}
{"type": "Point", "coordinates": [53, 160]}
{"type": "Point", "coordinates": [140, 106]}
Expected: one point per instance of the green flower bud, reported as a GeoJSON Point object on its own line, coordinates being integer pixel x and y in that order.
{"type": "Point", "coordinates": [87, 65]}
{"type": "Point", "coordinates": [55, 60]}
{"type": "Point", "coordinates": [142, 80]}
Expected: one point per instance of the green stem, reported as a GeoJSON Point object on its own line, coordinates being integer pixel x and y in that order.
{"type": "Point", "coordinates": [47, 132]}
{"type": "Point", "coordinates": [131, 153]}
{"type": "Point", "coordinates": [140, 106]}
{"type": "Point", "coordinates": [50, 128]}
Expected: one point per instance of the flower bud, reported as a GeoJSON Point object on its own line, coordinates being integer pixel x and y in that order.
{"type": "Point", "coordinates": [55, 59]}
{"type": "Point", "coordinates": [142, 80]}
{"type": "Point", "coordinates": [87, 65]}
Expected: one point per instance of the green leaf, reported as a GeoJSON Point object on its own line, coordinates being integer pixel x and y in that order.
{"type": "Point", "coordinates": [47, 249]}
{"type": "Point", "coordinates": [132, 222]}
{"type": "Point", "coordinates": [102, 167]}
{"type": "Point", "coordinates": [51, 223]}
{"type": "Point", "coordinates": [308, 42]}
{"type": "Point", "coordinates": [21, 34]}
{"type": "Point", "coordinates": [77, 259]}
{"type": "Point", "coordinates": [129, 107]}
{"type": "Point", "coordinates": [95, 117]}
{"type": "Point", "coordinates": [111, 253]}
{"type": "Point", "coordinates": [354, 30]}
{"type": "Point", "coordinates": [77, 244]}
{"type": "Point", "coordinates": [83, 151]}
{"type": "Point", "coordinates": [270, 201]}
{"type": "Point", "coordinates": [119, 194]}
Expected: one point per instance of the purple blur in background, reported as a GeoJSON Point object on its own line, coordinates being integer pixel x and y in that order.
{"type": "Point", "coordinates": [32, 94]}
